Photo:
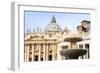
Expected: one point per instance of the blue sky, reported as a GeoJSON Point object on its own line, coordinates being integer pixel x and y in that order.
{"type": "Point", "coordinates": [35, 20]}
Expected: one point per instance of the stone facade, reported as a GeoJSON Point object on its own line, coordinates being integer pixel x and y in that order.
{"type": "Point", "coordinates": [45, 45]}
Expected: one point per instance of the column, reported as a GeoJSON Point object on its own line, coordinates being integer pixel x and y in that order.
{"type": "Point", "coordinates": [33, 52]}
{"type": "Point", "coordinates": [39, 54]}
{"type": "Point", "coordinates": [53, 52]}
{"type": "Point", "coordinates": [59, 57]}
{"type": "Point", "coordinates": [27, 53]}
{"type": "Point", "coordinates": [84, 48]}
{"type": "Point", "coordinates": [87, 54]}
{"type": "Point", "coordinates": [56, 51]}
{"type": "Point", "coordinates": [44, 52]}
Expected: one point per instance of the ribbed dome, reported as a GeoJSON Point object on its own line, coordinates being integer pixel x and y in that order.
{"type": "Point", "coordinates": [53, 26]}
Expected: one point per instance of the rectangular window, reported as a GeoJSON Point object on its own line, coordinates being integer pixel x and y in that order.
{"type": "Point", "coordinates": [50, 57]}
{"type": "Point", "coordinates": [42, 59]}
{"type": "Point", "coordinates": [36, 58]}
{"type": "Point", "coordinates": [86, 46]}
{"type": "Point", "coordinates": [81, 46]}
{"type": "Point", "coordinates": [30, 59]}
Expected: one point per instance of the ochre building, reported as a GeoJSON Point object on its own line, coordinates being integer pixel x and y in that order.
{"type": "Point", "coordinates": [45, 44]}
